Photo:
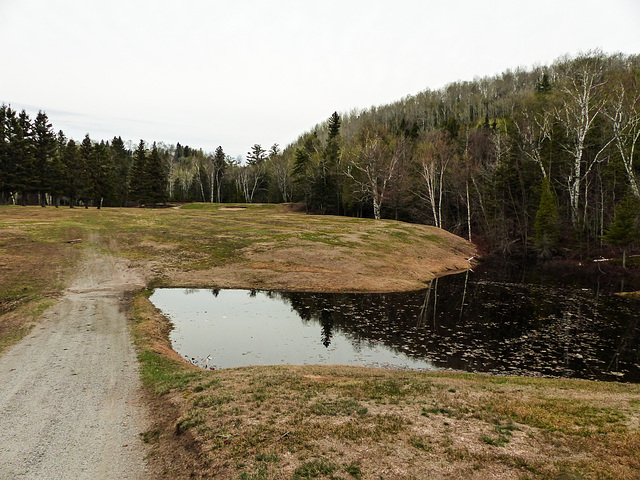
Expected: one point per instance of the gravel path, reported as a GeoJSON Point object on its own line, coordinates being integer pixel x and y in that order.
{"type": "Point", "coordinates": [70, 405]}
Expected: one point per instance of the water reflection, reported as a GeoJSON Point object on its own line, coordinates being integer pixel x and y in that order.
{"type": "Point", "coordinates": [238, 328]}
{"type": "Point", "coordinates": [526, 323]}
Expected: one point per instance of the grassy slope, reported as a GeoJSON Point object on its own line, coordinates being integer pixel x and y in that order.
{"type": "Point", "coordinates": [313, 422]}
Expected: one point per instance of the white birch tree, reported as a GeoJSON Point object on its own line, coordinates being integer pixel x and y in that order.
{"type": "Point", "coordinates": [373, 164]}
{"type": "Point", "coordinates": [623, 111]}
{"type": "Point", "coordinates": [434, 154]}
{"type": "Point", "coordinates": [581, 104]}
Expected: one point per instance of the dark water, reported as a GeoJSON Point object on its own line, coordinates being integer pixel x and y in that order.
{"type": "Point", "coordinates": [506, 320]}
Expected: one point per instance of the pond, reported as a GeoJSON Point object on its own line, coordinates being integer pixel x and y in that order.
{"type": "Point", "coordinates": [502, 320]}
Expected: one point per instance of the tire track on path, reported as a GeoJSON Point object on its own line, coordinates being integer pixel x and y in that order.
{"type": "Point", "coordinates": [70, 394]}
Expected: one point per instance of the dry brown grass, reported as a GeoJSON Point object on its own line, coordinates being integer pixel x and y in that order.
{"type": "Point", "coordinates": [260, 246]}
{"type": "Point", "coordinates": [336, 422]}
{"type": "Point", "coordinates": [287, 422]}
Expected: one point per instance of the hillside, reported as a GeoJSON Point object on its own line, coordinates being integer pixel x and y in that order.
{"type": "Point", "coordinates": [532, 162]}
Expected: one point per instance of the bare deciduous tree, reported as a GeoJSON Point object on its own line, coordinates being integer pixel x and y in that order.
{"type": "Point", "coordinates": [581, 105]}
{"type": "Point", "coordinates": [372, 165]}
{"type": "Point", "coordinates": [434, 154]}
{"type": "Point", "coordinates": [623, 110]}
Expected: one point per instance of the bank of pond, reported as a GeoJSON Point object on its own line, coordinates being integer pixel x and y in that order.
{"type": "Point", "coordinates": [500, 319]}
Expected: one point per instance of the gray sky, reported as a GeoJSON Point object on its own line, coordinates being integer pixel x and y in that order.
{"type": "Point", "coordinates": [239, 72]}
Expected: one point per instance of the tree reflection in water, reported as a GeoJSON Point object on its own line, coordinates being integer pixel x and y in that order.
{"type": "Point", "coordinates": [520, 322]}
{"type": "Point", "coordinates": [534, 325]}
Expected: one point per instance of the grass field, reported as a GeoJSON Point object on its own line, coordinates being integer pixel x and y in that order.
{"type": "Point", "coordinates": [289, 422]}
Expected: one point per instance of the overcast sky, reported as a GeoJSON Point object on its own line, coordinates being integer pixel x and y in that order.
{"type": "Point", "coordinates": [238, 72]}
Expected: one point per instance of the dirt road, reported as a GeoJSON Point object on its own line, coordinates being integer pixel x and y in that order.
{"type": "Point", "coordinates": [70, 404]}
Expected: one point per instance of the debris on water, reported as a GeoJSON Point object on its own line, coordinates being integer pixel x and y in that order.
{"type": "Point", "coordinates": [471, 323]}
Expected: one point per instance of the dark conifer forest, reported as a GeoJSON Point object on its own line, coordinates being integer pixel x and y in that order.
{"type": "Point", "coordinates": [542, 161]}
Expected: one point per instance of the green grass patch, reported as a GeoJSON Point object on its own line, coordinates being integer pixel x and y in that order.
{"type": "Point", "coordinates": [214, 383]}
{"type": "Point", "coordinates": [194, 417]}
{"type": "Point", "coordinates": [13, 336]}
{"type": "Point", "coordinates": [354, 469]}
{"type": "Point", "coordinates": [150, 436]}
{"type": "Point", "coordinates": [321, 237]}
{"type": "Point", "coordinates": [162, 374]}
{"type": "Point", "coordinates": [208, 401]}
{"type": "Point", "coordinates": [572, 417]}
{"type": "Point", "coordinates": [435, 411]}
{"type": "Point", "coordinates": [315, 469]}
{"type": "Point", "coordinates": [393, 390]}
{"type": "Point", "coordinates": [338, 407]}
{"type": "Point", "coordinates": [420, 443]}
{"type": "Point", "coordinates": [503, 432]}
{"type": "Point", "coordinates": [499, 441]}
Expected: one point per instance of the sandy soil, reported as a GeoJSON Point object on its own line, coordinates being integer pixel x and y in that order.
{"type": "Point", "coordinates": [70, 402]}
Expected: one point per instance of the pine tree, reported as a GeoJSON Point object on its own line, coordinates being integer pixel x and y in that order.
{"type": "Point", "coordinates": [257, 155]}
{"type": "Point", "coordinates": [623, 231]}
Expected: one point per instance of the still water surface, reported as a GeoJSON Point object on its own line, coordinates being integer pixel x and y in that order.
{"type": "Point", "coordinates": [232, 328]}
{"type": "Point", "coordinates": [500, 320]}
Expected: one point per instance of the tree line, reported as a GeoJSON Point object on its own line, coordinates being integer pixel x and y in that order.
{"type": "Point", "coordinates": [41, 167]}
{"type": "Point", "coordinates": [531, 160]}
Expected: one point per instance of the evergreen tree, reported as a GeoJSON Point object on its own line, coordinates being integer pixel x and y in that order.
{"type": "Point", "coordinates": [21, 154]}
{"type": "Point", "coordinates": [544, 85]}
{"type": "Point", "coordinates": [156, 178]}
{"type": "Point", "coordinates": [139, 188]}
{"type": "Point", "coordinates": [86, 171]}
{"type": "Point", "coordinates": [623, 231]}
{"type": "Point", "coordinates": [101, 170]}
{"type": "Point", "coordinates": [257, 155]}
{"type": "Point", "coordinates": [58, 175]}
{"type": "Point", "coordinates": [303, 172]}
{"type": "Point", "coordinates": [327, 191]}
{"type": "Point", "coordinates": [44, 149]}
{"type": "Point", "coordinates": [75, 170]}
{"type": "Point", "coordinates": [5, 169]}
{"type": "Point", "coordinates": [121, 159]}
{"type": "Point", "coordinates": [546, 225]}
{"type": "Point", "coordinates": [219, 167]}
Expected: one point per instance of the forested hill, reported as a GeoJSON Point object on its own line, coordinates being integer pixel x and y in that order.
{"type": "Point", "coordinates": [532, 160]}
{"type": "Point", "coordinates": [542, 160]}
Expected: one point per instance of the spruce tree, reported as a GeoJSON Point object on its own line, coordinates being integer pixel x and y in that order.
{"type": "Point", "coordinates": [4, 153]}
{"type": "Point", "coordinates": [327, 192]}
{"type": "Point", "coordinates": [121, 159]}
{"type": "Point", "coordinates": [101, 170]}
{"type": "Point", "coordinates": [21, 154]}
{"type": "Point", "coordinates": [156, 178]}
{"type": "Point", "coordinates": [44, 150]}
{"type": "Point", "coordinates": [219, 166]}
{"type": "Point", "coordinates": [546, 224]}
{"type": "Point", "coordinates": [74, 169]}
{"type": "Point", "coordinates": [544, 85]}
{"type": "Point", "coordinates": [86, 171]}
{"type": "Point", "coordinates": [138, 187]}
{"type": "Point", "coordinates": [623, 230]}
